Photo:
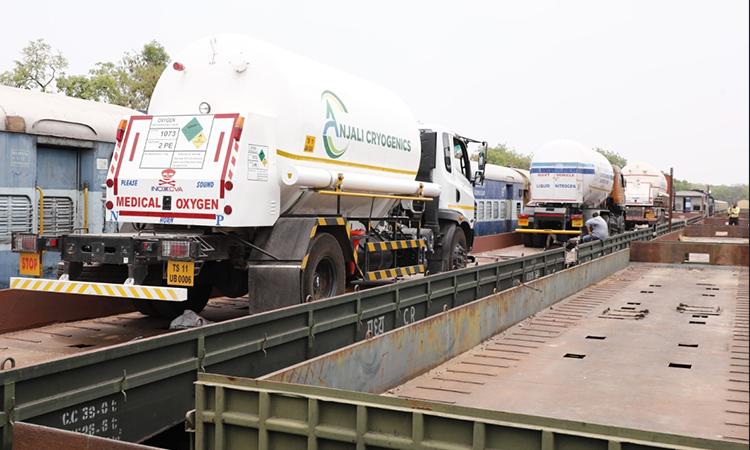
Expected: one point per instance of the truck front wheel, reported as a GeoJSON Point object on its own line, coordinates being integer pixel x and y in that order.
{"type": "Point", "coordinates": [324, 274]}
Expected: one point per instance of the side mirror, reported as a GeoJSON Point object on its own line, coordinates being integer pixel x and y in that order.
{"type": "Point", "coordinates": [482, 157]}
{"type": "Point", "coordinates": [478, 178]}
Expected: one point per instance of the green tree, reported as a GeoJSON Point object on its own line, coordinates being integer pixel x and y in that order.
{"type": "Point", "coordinates": [502, 155]}
{"type": "Point", "coordinates": [731, 193]}
{"type": "Point", "coordinates": [613, 157]}
{"type": "Point", "coordinates": [130, 82]}
{"type": "Point", "coordinates": [38, 67]}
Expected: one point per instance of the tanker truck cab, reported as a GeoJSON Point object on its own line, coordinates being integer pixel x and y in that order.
{"type": "Point", "coordinates": [446, 162]}
{"type": "Point", "coordinates": [259, 172]}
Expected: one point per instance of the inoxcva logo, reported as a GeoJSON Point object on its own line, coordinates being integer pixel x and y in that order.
{"type": "Point", "coordinates": [338, 134]}
{"type": "Point", "coordinates": [333, 104]}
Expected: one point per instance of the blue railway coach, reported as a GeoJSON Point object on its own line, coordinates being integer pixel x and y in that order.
{"type": "Point", "coordinates": [500, 199]}
{"type": "Point", "coordinates": [54, 148]}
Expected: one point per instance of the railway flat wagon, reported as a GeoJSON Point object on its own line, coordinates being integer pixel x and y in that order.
{"type": "Point", "coordinates": [54, 156]}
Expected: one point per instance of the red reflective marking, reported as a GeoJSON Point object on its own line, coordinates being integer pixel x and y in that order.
{"type": "Point", "coordinates": [135, 144]}
{"type": "Point", "coordinates": [224, 170]}
{"type": "Point", "coordinates": [218, 147]}
{"type": "Point", "coordinates": [229, 175]}
{"type": "Point", "coordinates": [227, 116]}
{"type": "Point", "coordinates": [124, 143]}
{"type": "Point", "coordinates": [177, 215]}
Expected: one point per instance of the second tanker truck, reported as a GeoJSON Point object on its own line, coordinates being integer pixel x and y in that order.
{"type": "Point", "coordinates": [646, 195]}
{"type": "Point", "coordinates": [261, 172]}
{"type": "Point", "coordinates": [568, 183]}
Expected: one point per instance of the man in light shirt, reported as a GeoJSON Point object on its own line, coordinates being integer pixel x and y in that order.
{"type": "Point", "coordinates": [597, 227]}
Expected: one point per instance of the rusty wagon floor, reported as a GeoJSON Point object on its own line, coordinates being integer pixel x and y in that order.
{"type": "Point", "coordinates": [653, 347]}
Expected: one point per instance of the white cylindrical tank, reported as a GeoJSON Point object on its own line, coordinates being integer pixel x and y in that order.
{"type": "Point", "coordinates": [312, 123]}
{"type": "Point", "coordinates": [643, 183]}
{"type": "Point", "coordinates": [566, 172]}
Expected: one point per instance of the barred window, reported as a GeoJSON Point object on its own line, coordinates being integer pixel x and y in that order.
{"type": "Point", "coordinates": [480, 210]}
{"type": "Point", "coordinates": [58, 216]}
{"type": "Point", "coordinates": [15, 215]}
{"type": "Point", "coordinates": [496, 210]}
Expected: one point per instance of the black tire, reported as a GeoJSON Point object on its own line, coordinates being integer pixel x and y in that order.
{"type": "Point", "coordinates": [325, 274]}
{"type": "Point", "coordinates": [197, 299]}
{"type": "Point", "coordinates": [459, 250]}
{"type": "Point", "coordinates": [454, 251]}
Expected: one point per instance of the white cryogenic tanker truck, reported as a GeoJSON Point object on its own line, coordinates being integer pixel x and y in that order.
{"type": "Point", "coordinates": [568, 183]}
{"type": "Point", "coordinates": [646, 195]}
{"type": "Point", "coordinates": [261, 172]}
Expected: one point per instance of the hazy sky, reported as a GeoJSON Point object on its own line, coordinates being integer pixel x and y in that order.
{"type": "Point", "coordinates": [656, 80]}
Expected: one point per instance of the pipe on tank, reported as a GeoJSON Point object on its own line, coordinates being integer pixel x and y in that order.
{"type": "Point", "coordinates": [315, 178]}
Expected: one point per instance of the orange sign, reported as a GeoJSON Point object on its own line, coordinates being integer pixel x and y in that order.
{"type": "Point", "coordinates": [30, 264]}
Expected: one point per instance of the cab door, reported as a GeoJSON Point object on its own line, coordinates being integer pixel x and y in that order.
{"type": "Point", "coordinates": [464, 195]}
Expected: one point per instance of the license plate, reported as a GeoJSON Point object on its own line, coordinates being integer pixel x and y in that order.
{"type": "Point", "coordinates": [577, 223]}
{"type": "Point", "coordinates": [523, 222]}
{"type": "Point", "coordinates": [30, 264]}
{"type": "Point", "coordinates": [180, 273]}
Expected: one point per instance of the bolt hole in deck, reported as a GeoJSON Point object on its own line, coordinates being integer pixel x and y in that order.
{"type": "Point", "coordinates": [680, 365]}
{"type": "Point", "coordinates": [574, 355]}
{"type": "Point", "coordinates": [647, 292]}
{"type": "Point", "coordinates": [81, 345]}
{"type": "Point", "coordinates": [634, 303]}
{"type": "Point", "coordinates": [698, 322]}
{"type": "Point", "coordinates": [596, 338]}
{"type": "Point", "coordinates": [688, 345]}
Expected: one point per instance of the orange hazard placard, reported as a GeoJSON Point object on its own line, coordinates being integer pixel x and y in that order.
{"type": "Point", "coordinates": [30, 264]}
{"type": "Point", "coordinates": [309, 143]}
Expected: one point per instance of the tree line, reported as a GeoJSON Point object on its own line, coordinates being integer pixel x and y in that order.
{"type": "Point", "coordinates": [128, 82]}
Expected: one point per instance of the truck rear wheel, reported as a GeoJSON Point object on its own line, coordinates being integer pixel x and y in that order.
{"type": "Point", "coordinates": [324, 275]}
{"type": "Point", "coordinates": [197, 299]}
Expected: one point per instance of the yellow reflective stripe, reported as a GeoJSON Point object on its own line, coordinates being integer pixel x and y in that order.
{"type": "Point", "coordinates": [321, 221]}
{"type": "Point", "coordinates": [296, 157]}
{"type": "Point", "coordinates": [35, 285]}
{"type": "Point", "coordinates": [464, 207]}
{"type": "Point", "coordinates": [45, 286]}
{"type": "Point", "coordinates": [304, 261]}
{"type": "Point", "coordinates": [172, 294]}
{"type": "Point", "coordinates": [82, 288]}
{"type": "Point", "coordinates": [120, 290]}
{"type": "Point", "coordinates": [340, 221]}
{"type": "Point", "coordinates": [133, 292]}
{"type": "Point", "coordinates": [25, 283]}
{"type": "Point", "coordinates": [109, 290]}
{"type": "Point", "coordinates": [159, 294]}
{"type": "Point", "coordinates": [59, 286]}
{"type": "Point", "coordinates": [371, 246]}
{"type": "Point", "coordinates": [313, 231]}
{"type": "Point", "coordinates": [71, 286]}
{"type": "Point", "coordinates": [147, 293]}
{"type": "Point", "coordinates": [96, 289]}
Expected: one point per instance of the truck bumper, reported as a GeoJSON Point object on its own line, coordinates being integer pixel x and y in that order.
{"type": "Point", "coordinates": [133, 291]}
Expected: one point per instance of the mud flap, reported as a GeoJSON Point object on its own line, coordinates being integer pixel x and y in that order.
{"type": "Point", "coordinates": [273, 286]}
{"type": "Point", "coordinates": [276, 283]}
